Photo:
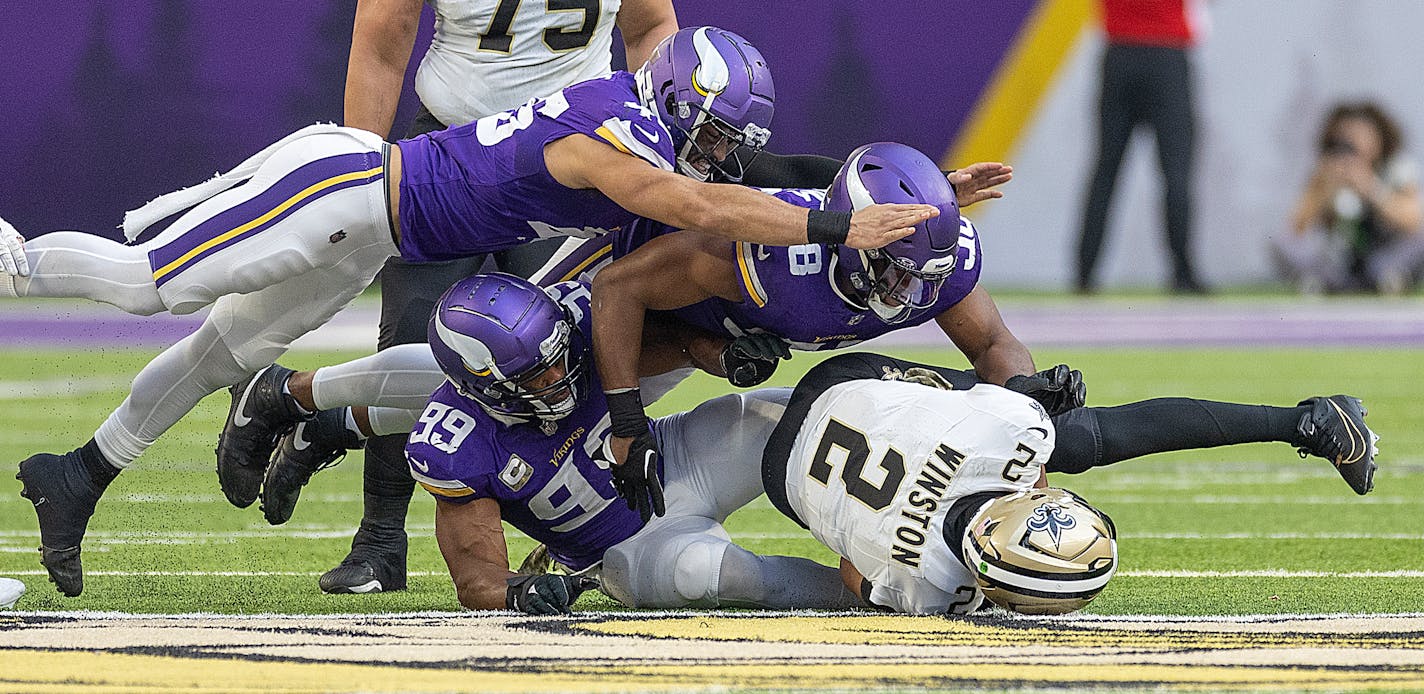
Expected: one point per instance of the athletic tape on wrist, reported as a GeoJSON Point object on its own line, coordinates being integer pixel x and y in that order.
{"type": "Point", "coordinates": [827, 227]}
{"type": "Point", "coordinates": [625, 410]}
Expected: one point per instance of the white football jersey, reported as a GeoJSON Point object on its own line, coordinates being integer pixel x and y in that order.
{"type": "Point", "coordinates": [877, 464]}
{"type": "Point", "coordinates": [493, 55]}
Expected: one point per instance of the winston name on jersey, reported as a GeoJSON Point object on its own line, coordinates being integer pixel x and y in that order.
{"type": "Point", "coordinates": [551, 486]}
{"type": "Point", "coordinates": [790, 291]}
{"type": "Point", "coordinates": [877, 464]}
{"type": "Point", "coordinates": [484, 186]}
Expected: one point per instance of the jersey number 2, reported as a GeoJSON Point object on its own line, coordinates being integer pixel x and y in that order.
{"type": "Point", "coordinates": [857, 451]}
{"type": "Point", "coordinates": [497, 37]}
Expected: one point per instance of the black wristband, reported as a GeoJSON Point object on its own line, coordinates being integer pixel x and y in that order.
{"type": "Point", "coordinates": [827, 227]}
{"type": "Point", "coordinates": [625, 410]}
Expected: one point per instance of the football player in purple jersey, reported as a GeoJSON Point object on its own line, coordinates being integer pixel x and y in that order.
{"type": "Point", "coordinates": [818, 296]}
{"type": "Point", "coordinates": [518, 433]}
{"type": "Point", "coordinates": [281, 243]}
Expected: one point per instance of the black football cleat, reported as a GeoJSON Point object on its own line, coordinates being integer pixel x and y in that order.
{"type": "Point", "coordinates": [305, 450]}
{"type": "Point", "coordinates": [259, 416]}
{"type": "Point", "coordinates": [64, 496]}
{"type": "Point", "coordinates": [1335, 430]}
{"type": "Point", "coordinates": [372, 567]}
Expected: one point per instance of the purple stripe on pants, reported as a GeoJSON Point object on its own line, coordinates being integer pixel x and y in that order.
{"type": "Point", "coordinates": [275, 195]}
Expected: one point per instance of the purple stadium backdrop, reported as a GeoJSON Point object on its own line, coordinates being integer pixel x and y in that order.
{"type": "Point", "coordinates": [108, 103]}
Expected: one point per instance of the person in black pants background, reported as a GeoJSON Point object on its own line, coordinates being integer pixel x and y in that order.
{"type": "Point", "coordinates": [1146, 79]}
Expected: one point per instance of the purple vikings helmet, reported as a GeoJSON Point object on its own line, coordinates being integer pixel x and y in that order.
{"type": "Point", "coordinates": [907, 274]}
{"type": "Point", "coordinates": [497, 336]}
{"type": "Point", "coordinates": [713, 91]}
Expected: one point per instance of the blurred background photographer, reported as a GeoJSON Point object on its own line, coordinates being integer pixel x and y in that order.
{"type": "Point", "coordinates": [1357, 224]}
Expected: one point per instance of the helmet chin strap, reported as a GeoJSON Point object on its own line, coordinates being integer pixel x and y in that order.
{"type": "Point", "coordinates": [886, 312]}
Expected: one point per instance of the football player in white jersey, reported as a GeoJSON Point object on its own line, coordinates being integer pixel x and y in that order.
{"type": "Point", "coordinates": [922, 478]}
{"type": "Point", "coordinates": [486, 56]}
{"type": "Point", "coordinates": [924, 482]}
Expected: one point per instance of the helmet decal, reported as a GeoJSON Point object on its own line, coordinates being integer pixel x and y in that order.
{"type": "Point", "coordinates": [510, 347]}
{"type": "Point", "coordinates": [860, 197]}
{"type": "Point", "coordinates": [469, 349]}
{"type": "Point", "coordinates": [1051, 518]}
{"type": "Point", "coordinates": [711, 75]}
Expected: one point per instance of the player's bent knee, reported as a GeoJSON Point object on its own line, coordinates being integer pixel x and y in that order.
{"type": "Point", "coordinates": [666, 572]}
{"type": "Point", "coordinates": [697, 571]}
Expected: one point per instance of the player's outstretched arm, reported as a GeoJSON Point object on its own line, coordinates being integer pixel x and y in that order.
{"type": "Point", "coordinates": [977, 329]}
{"type": "Point", "coordinates": [471, 539]}
{"type": "Point", "coordinates": [729, 211]}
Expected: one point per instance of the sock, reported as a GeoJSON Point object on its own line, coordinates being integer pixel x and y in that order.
{"type": "Point", "coordinates": [70, 264]}
{"type": "Point", "coordinates": [387, 421]}
{"type": "Point", "coordinates": [1091, 437]}
{"type": "Point", "coordinates": [100, 469]}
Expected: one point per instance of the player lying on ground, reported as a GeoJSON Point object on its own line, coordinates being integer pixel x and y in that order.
{"type": "Point", "coordinates": [913, 405]}
{"type": "Point", "coordinates": [519, 434]}
{"type": "Point", "coordinates": [316, 215]}
{"type": "Point", "coordinates": [921, 478]}
{"type": "Point", "coordinates": [830, 296]}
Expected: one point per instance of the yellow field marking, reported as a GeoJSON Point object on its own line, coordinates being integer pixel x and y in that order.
{"type": "Point", "coordinates": [54, 671]}
{"type": "Point", "coordinates": [50, 671]}
{"type": "Point", "coordinates": [938, 631]}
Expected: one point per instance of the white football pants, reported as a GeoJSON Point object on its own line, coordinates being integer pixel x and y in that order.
{"type": "Point", "coordinates": [712, 467]}
{"type": "Point", "coordinates": [280, 254]}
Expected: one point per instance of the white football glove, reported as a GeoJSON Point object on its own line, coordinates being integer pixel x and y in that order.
{"type": "Point", "coordinates": [12, 251]}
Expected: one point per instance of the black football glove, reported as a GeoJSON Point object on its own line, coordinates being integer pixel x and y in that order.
{"type": "Point", "coordinates": [636, 480]}
{"type": "Point", "coordinates": [751, 359]}
{"type": "Point", "coordinates": [1058, 389]}
{"type": "Point", "coordinates": [545, 594]}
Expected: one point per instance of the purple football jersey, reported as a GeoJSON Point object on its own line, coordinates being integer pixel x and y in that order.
{"type": "Point", "coordinates": [789, 292]}
{"type": "Point", "coordinates": [553, 487]}
{"type": "Point", "coordinates": [484, 186]}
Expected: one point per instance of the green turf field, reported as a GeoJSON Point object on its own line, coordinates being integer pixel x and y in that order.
{"type": "Point", "coordinates": [1246, 530]}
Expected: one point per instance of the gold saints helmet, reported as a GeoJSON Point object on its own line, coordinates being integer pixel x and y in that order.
{"type": "Point", "coordinates": [1041, 551]}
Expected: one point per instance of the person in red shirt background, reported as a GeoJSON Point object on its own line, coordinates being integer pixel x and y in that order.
{"type": "Point", "coordinates": [1146, 80]}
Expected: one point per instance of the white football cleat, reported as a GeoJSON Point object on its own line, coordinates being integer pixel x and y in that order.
{"type": "Point", "coordinates": [12, 251]}
{"type": "Point", "coordinates": [10, 592]}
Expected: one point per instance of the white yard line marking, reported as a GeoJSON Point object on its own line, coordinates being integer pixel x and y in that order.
{"type": "Point", "coordinates": [1342, 500]}
{"type": "Point", "coordinates": [60, 388]}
